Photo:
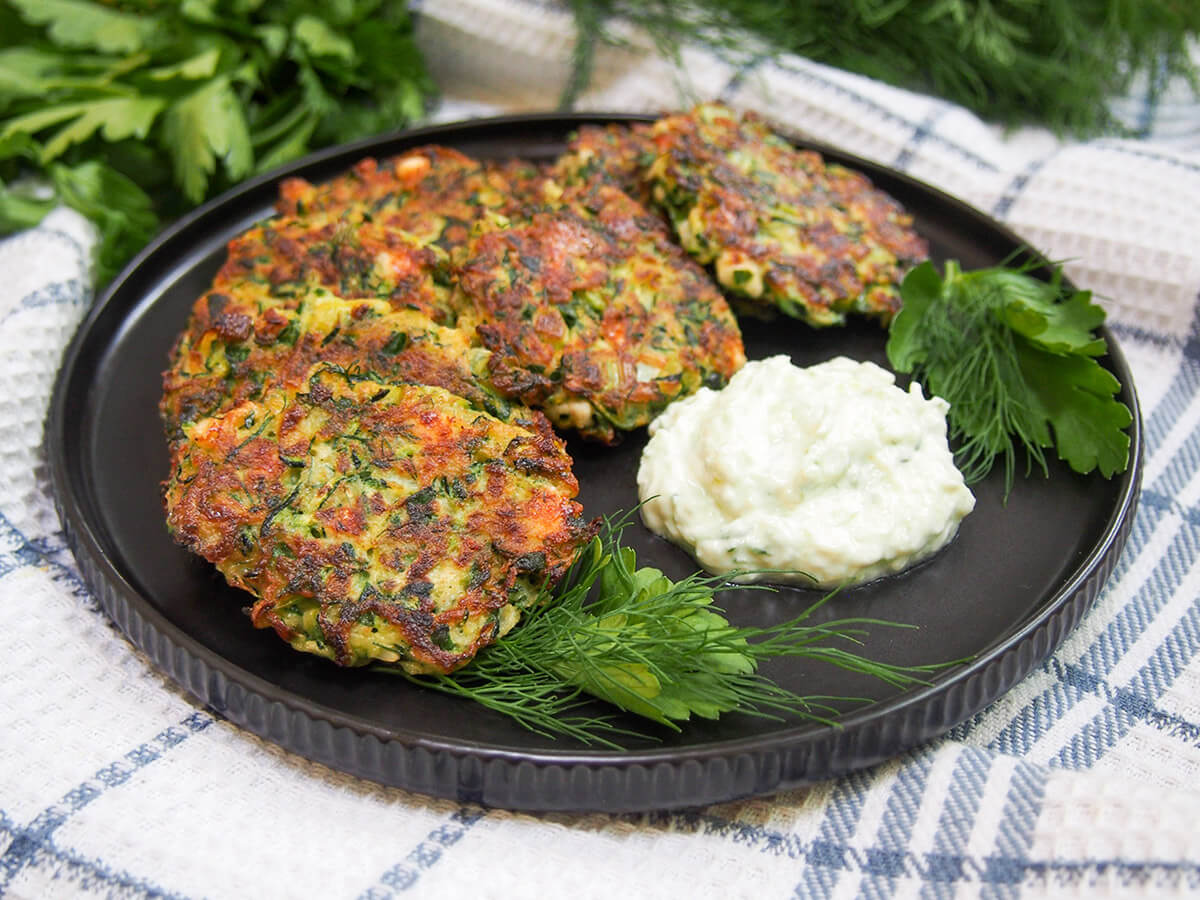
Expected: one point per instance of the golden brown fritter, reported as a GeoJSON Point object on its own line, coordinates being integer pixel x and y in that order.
{"type": "Point", "coordinates": [779, 225]}
{"type": "Point", "coordinates": [239, 345]}
{"type": "Point", "coordinates": [620, 154]}
{"type": "Point", "coordinates": [651, 328]}
{"type": "Point", "coordinates": [283, 257]}
{"type": "Point", "coordinates": [375, 522]}
{"type": "Point", "coordinates": [592, 314]}
{"type": "Point", "coordinates": [433, 194]}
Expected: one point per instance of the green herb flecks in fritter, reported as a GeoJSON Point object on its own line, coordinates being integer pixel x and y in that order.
{"type": "Point", "coordinates": [284, 257]}
{"type": "Point", "coordinates": [779, 225]}
{"type": "Point", "coordinates": [620, 154]}
{"type": "Point", "coordinates": [592, 313]}
{"type": "Point", "coordinates": [383, 230]}
{"type": "Point", "coordinates": [376, 522]}
{"type": "Point", "coordinates": [434, 194]}
{"type": "Point", "coordinates": [239, 345]}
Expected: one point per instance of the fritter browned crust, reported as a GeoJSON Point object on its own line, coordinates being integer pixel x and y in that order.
{"type": "Point", "coordinates": [650, 328]}
{"type": "Point", "coordinates": [283, 257]}
{"type": "Point", "coordinates": [593, 314]}
{"type": "Point", "coordinates": [619, 154]}
{"type": "Point", "coordinates": [376, 522]}
{"type": "Point", "coordinates": [239, 345]}
{"type": "Point", "coordinates": [779, 225]}
{"type": "Point", "coordinates": [432, 194]}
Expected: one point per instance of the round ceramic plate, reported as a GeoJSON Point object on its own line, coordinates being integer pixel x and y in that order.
{"type": "Point", "coordinates": [1006, 592]}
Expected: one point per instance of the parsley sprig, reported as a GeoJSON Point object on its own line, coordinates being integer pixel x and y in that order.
{"type": "Point", "coordinates": [657, 648]}
{"type": "Point", "coordinates": [137, 110]}
{"type": "Point", "coordinates": [1016, 357]}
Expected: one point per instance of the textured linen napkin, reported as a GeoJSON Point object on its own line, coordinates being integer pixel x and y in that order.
{"type": "Point", "coordinates": [1082, 781]}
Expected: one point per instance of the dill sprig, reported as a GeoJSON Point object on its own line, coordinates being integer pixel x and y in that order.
{"type": "Point", "coordinates": [1016, 358]}
{"type": "Point", "coordinates": [1052, 62]}
{"type": "Point", "coordinates": [657, 648]}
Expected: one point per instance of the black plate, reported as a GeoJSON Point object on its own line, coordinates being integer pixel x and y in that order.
{"type": "Point", "coordinates": [1006, 591]}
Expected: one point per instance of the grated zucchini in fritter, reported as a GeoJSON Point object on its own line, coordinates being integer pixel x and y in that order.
{"type": "Point", "coordinates": [376, 522]}
{"type": "Point", "coordinates": [592, 314]}
{"type": "Point", "coordinates": [779, 225]}
{"type": "Point", "coordinates": [285, 257]}
{"type": "Point", "coordinates": [591, 311]}
{"type": "Point", "coordinates": [620, 154]}
{"type": "Point", "coordinates": [433, 194]}
{"type": "Point", "coordinates": [241, 344]}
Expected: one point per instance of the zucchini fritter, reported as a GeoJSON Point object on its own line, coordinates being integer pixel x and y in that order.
{"type": "Point", "coordinates": [433, 194]}
{"type": "Point", "coordinates": [284, 257]}
{"type": "Point", "coordinates": [376, 522]}
{"type": "Point", "coordinates": [592, 313]}
{"type": "Point", "coordinates": [241, 344]}
{"type": "Point", "coordinates": [780, 226]}
{"type": "Point", "coordinates": [620, 154]}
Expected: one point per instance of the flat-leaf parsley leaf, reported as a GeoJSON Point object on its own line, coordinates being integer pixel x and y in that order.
{"type": "Point", "coordinates": [1016, 358]}
{"type": "Point", "coordinates": [134, 112]}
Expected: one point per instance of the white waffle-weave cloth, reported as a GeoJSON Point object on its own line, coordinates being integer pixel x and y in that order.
{"type": "Point", "coordinates": [1082, 781]}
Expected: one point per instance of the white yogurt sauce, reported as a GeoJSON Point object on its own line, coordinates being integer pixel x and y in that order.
{"type": "Point", "coordinates": [832, 470]}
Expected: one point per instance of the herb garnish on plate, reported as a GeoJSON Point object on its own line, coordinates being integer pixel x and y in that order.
{"type": "Point", "coordinates": [658, 648]}
{"type": "Point", "coordinates": [1017, 360]}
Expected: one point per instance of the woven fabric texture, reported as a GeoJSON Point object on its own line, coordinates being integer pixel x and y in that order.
{"type": "Point", "coordinates": [1083, 781]}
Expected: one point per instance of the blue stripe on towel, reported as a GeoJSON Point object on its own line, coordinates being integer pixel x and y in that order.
{"type": "Point", "coordinates": [944, 866]}
{"type": "Point", "coordinates": [28, 553]}
{"type": "Point", "coordinates": [922, 133]}
{"type": "Point", "coordinates": [73, 870]}
{"type": "Point", "coordinates": [1154, 678]}
{"type": "Point", "coordinates": [829, 854]}
{"type": "Point", "coordinates": [1043, 711]}
{"type": "Point", "coordinates": [999, 872]}
{"type": "Point", "coordinates": [1030, 722]}
{"type": "Point", "coordinates": [425, 855]}
{"type": "Point", "coordinates": [1005, 868]}
{"type": "Point", "coordinates": [57, 293]}
{"type": "Point", "coordinates": [29, 841]}
{"type": "Point", "coordinates": [739, 76]}
{"type": "Point", "coordinates": [882, 111]}
{"type": "Point", "coordinates": [1016, 187]}
{"type": "Point", "coordinates": [890, 858]}
{"type": "Point", "coordinates": [1128, 149]}
{"type": "Point", "coordinates": [1130, 334]}
{"type": "Point", "coordinates": [1137, 704]}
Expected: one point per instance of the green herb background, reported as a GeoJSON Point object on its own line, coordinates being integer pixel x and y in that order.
{"type": "Point", "coordinates": [134, 111]}
{"type": "Point", "coordinates": [1055, 63]}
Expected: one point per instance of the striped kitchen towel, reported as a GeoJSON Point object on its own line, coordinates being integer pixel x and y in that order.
{"type": "Point", "coordinates": [1082, 781]}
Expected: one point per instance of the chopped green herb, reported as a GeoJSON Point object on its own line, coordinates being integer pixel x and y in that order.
{"type": "Point", "coordinates": [1058, 63]}
{"type": "Point", "coordinates": [289, 334]}
{"type": "Point", "coordinates": [396, 343]}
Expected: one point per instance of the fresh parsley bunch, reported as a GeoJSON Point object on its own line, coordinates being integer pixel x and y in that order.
{"type": "Point", "coordinates": [133, 110]}
{"type": "Point", "coordinates": [1017, 360]}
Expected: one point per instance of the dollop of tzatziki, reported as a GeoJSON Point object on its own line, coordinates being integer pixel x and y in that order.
{"type": "Point", "coordinates": [831, 470]}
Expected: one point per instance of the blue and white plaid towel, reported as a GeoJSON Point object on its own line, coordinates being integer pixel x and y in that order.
{"type": "Point", "coordinates": [1084, 780]}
